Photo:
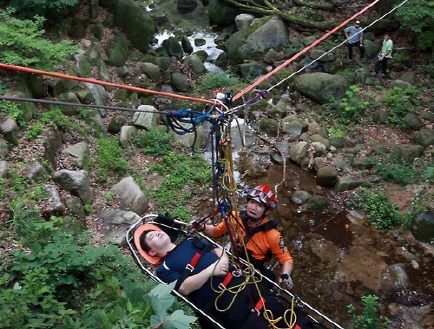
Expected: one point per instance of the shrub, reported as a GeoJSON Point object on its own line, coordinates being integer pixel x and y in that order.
{"type": "Point", "coordinates": [64, 281]}
{"type": "Point", "coordinates": [349, 110]}
{"type": "Point", "coordinates": [398, 173]}
{"type": "Point", "coordinates": [369, 318]}
{"type": "Point", "coordinates": [154, 141]}
{"type": "Point", "coordinates": [13, 110]}
{"type": "Point", "coordinates": [109, 158]}
{"type": "Point", "coordinates": [52, 8]}
{"type": "Point", "coordinates": [429, 174]}
{"type": "Point", "coordinates": [22, 43]}
{"type": "Point", "coordinates": [418, 16]}
{"type": "Point", "coordinates": [379, 210]}
{"type": "Point", "coordinates": [53, 118]}
{"type": "Point", "coordinates": [400, 102]}
{"type": "Point", "coordinates": [219, 79]}
{"type": "Point", "coordinates": [187, 174]}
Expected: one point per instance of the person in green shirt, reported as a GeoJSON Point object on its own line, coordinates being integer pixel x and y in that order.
{"type": "Point", "coordinates": [384, 55]}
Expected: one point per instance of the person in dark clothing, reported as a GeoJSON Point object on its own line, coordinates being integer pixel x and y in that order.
{"type": "Point", "coordinates": [203, 273]}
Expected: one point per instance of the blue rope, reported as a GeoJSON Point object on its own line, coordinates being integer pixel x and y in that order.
{"type": "Point", "coordinates": [194, 118]}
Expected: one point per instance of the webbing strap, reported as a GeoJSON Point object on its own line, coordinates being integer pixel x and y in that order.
{"type": "Point", "coordinates": [259, 305]}
{"type": "Point", "coordinates": [193, 262]}
{"type": "Point", "coordinates": [226, 281]}
{"type": "Point", "coordinates": [190, 266]}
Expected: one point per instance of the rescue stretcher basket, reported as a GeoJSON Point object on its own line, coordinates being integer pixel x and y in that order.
{"type": "Point", "coordinates": [177, 230]}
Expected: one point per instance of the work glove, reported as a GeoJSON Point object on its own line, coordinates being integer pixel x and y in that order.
{"type": "Point", "coordinates": [286, 279]}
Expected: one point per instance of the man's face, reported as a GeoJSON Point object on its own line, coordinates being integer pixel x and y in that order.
{"type": "Point", "coordinates": [157, 240]}
{"type": "Point", "coordinates": [386, 37]}
{"type": "Point", "coordinates": [255, 209]}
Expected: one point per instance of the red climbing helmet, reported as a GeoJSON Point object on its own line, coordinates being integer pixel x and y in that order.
{"type": "Point", "coordinates": [263, 194]}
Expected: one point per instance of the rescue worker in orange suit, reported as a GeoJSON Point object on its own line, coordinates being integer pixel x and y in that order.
{"type": "Point", "coordinates": [261, 238]}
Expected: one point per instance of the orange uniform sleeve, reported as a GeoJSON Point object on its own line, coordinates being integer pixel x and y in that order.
{"type": "Point", "coordinates": [220, 230]}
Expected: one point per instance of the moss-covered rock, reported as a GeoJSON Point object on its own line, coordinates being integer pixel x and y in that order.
{"type": "Point", "coordinates": [135, 22]}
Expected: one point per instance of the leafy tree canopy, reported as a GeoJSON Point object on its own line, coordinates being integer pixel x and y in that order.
{"type": "Point", "coordinates": [46, 8]}
{"type": "Point", "coordinates": [418, 16]}
{"type": "Point", "coordinates": [22, 43]}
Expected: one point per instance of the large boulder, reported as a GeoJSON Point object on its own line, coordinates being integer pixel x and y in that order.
{"type": "Point", "coordinates": [195, 63]}
{"type": "Point", "coordinates": [173, 47]}
{"type": "Point", "coordinates": [135, 22]}
{"type": "Point", "coordinates": [117, 52]}
{"type": "Point", "coordinates": [263, 35]}
{"type": "Point", "coordinates": [130, 196]}
{"type": "Point", "coordinates": [9, 129]}
{"type": "Point", "coordinates": [322, 87]}
{"type": "Point", "coordinates": [116, 224]}
{"type": "Point", "coordinates": [423, 226]}
{"type": "Point", "coordinates": [76, 182]}
{"type": "Point", "coordinates": [406, 153]}
{"type": "Point", "coordinates": [147, 119]}
{"type": "Point", "coordinates": [222, 13]}
{"type": "Point", "coordinates": [186, 6]}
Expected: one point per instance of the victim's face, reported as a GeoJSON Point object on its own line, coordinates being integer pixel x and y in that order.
{"type": "Point", "coordinates": [157, 240]}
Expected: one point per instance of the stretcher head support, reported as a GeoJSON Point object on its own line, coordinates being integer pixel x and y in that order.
{"type": "Point", "coordinates": [139, 231]}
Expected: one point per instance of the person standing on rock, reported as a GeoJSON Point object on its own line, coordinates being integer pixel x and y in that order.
{"type": "Point", "coordinates": [257, 237]}
{"type": "Point", "coordinates": [384, 56]}
{"type": "Point", "coordinates": [354, 36]}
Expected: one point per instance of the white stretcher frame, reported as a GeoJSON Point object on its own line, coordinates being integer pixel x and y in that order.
{"type": "Point", "coordinates": [144, 266]}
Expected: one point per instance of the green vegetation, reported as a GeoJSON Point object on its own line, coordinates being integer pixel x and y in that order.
{"type": "Point", "coordinates": [22, 43]}
{"type": "Point", "coordinates": [14, 111]}
{"type": "Point", "coordinates": [429, 174]}
{"type": "Point", "coordinates": [337, 131]}
{"type": "Point", "coordinates": [369, 319]}
{"type": "Point", "coordinates": [188, 174]}
{"type": "Point", "coordinates": [379, 210]}
{"type": "Point", "coordinates": [21, 190]}
{"type": "Point", "coordinates": [53, 118]}
{"type": "Point", "coordinates": [215, 80]}
{"type": "Point", "coordinates": [400, 102]}
{"type": "Point", "coordinates": [403, 174]}
{"type": "Point", "coordinates": [427, 69]}
{"type": "Point", "coordinates": [155, 141]}
{"type": "Point", "coordinates": [109, 159]}
{"type": "Point", "coordinates": [350, 109]}
{"type": "Point", "coordinates": [52, 8]}
{"type": "Point", "coordinates": [418, 17]}
{"type": "Point", "coordinates": [61, 280]}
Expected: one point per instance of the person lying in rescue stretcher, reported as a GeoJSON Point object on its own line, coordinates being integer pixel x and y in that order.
{"type": "Point", "coordinates": [258, 234]}
{"type": "Point", "coordinates": [204, 274]}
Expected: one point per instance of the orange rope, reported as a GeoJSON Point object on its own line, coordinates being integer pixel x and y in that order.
{"type": "Point", "coordinates": [103, 83]}
{"type": "Point", "coordinates": [257, 82]}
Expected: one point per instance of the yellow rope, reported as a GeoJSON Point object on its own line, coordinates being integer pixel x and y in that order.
{"type": "Point", "coordinates": [229, 184]}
